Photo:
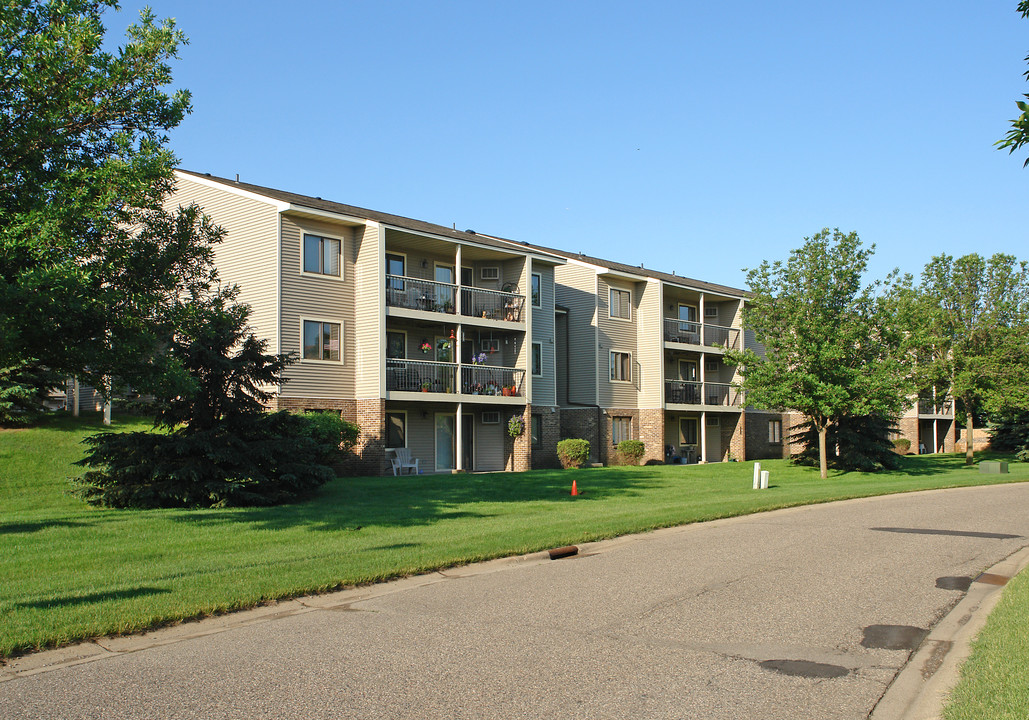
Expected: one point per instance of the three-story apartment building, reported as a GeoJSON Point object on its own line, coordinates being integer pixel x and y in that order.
{"type": "Point", "coordinates": [433, 339]}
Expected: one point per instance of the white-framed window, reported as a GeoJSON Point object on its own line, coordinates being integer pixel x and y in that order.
{"type": "Point", "coordinates": [710, 312]}
{"type": "Point", "coordinates": [537, 293]}
{"type": "Point", "coordinates": [620, 304]}
{"type": "Point", "coordinates": [535, 430]}
{"type": "Point", "coordinates": [396, 429]}
{"type": "Point", "coordinates": [489, 272]}
{"type": "Point", "coordinates": [321, 255]}
{"type": "Point", "coordinates": [322, 340]}
{"type": "Point", "coordinates": [711, 366]}
{"type": "Point", "coordinates": [491, 417]}
{"type": "Point", "coordinates": [537, 358]}
{"type": "Point", "coordinates": [775, 431]}
{"type": "Point", "coordinates": [490, 345]}
{"type": "Point", "coordinates": [396, 344]}
{"type": "Point", "coordinates": [621, 366]}
{"type": "Point", "coordinates": [621, 429]}
{"type": "Point", "coordinates": [713, 420]}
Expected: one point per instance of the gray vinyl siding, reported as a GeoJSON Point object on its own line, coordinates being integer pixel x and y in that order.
{"type": "Point", "coordinates": [544, 388]}
{"type": "Point", "coordinates": [248, 255]}
{"type": "Point", "coordinates": [617, 335]}
{"type": "Point", "coordinates": [575, 290]}
{"type": "Point", "coordinates": [370, 298]}
{"type": "Point", "coordinates": [489, 441]}
{"type": "Point", "coordinates": [650, 346]}
{"type": "Point", "coordinates": [316, 298]}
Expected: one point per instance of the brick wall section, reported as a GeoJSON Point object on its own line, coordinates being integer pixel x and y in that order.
{"type": "Point", "coordinates": [949, 437]}
{"type": "Point", "coordinates": [370, 416]}
{"type": "Point", "coordinates": [581, 423]}
{"type": "Point", "coordinates": [909, 430]}
{"type": "Point", "coordinates": [980, 440]}
{"type": "Point", "coordinates": [756, 443]}
{"type": "Point", "coordinates": [545, 456]}
{"type": "Point", "coordinates": [652, 433]}
{"type": "Point", "coordinates": [518, 450]}
{"type": "Point", "coordinates": [733, 437]}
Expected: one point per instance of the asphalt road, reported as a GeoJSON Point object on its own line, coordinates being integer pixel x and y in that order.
{"type": "Point", "coordinates": [801, 613]}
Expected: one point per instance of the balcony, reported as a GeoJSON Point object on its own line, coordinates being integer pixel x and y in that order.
{"type": "Point", "coordinates": [439, 297]}
{"type": "Point", "coordinates": [692, 333]}
{"type": "Point", "coordinates": [681, 392]}
{"type": "Point", "coordinates": [929, 406]}
{"type": "Point", "coordinates": [491, 304]}
{"type": "Point", "coordinates": [440, 377]}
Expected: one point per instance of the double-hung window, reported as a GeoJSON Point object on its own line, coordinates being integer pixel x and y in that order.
{"type": "Point", "coordinates": [775, 431]}
{"type": "Point", "coordinates": [621, 429]}
{"type": "Point", "coordinates": [321, 255]}
{"type": "Point", "coordinates": [322, 341]}
{"type": "Point", "coordinates": [621, 364]}
{"type": "Point", "coordinates": [620, 304]}
{"type": "Point", "coordinates": [537, 297]}
{"type": "Point", "coordinates": [537, 358]}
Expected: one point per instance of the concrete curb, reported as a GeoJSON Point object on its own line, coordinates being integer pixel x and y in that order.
{"type": "Point", "coordinates": [921, 688]}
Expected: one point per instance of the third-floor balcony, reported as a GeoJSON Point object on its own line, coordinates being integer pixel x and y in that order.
{"type": "Point", "coordinates": [440, 297]}
{"type": "Point", "coordinates": [939, 406]}
{"type": "Point", "coordinates": [683, 392]}
{"type": "Point", "coordinates": [694, 333]}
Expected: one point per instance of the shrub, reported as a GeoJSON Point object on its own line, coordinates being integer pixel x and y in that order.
{"type": "Point", "coordinates": [631, 451]}
{"type": "Point", "coordinates": [902, 446]}
{"type": "Point", "coordinates": [329, 429]}
{"type": "Point", "coordinates": [574, 453]}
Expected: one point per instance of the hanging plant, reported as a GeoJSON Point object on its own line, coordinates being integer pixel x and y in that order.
{"type": "Point", "coordinates": [515, 426]}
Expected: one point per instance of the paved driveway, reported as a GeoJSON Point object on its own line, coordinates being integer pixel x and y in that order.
{"type": "Point", "coordinates": [801, 613]}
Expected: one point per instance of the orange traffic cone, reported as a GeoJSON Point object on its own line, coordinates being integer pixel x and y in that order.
{"type": "Point", "coordinates": [575, 490]}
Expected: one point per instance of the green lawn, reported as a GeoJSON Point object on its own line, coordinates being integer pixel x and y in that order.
{"type": "Point", "coordinates": [995, 679]}
{"type": "Point", "coordinates": [69, 571]}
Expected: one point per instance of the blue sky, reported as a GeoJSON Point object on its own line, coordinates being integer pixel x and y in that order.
{"type": "Point", "coordinates": [699, 137]}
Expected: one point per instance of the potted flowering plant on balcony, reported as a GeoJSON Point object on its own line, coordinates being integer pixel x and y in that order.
{"type": "Point", "coordinates": [479, 359]}
{"type": "Point", "coordinates": [477, 388]}
{"type": "Point", "coordinates": [492, 389]}
{"type": "Point", "coordinates": [426, 346]}
{"type": "Point", "coordinates": [426, 385]}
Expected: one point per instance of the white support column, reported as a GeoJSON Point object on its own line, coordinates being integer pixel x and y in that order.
{"type": "Point", "coordinates": [107, 401]}
{"type": "Point", "coordinates": [457, 277]}
{"type": "Point", "coordinates": [703, 438]}
{"type": "Point", "coordinates": [936, 430]}
{"type": "Point", "coordinates": [701, 320]}
{"type": "Point", "coordinates": [75, 397]}
{"type": "Point", "coordinates": [459, 438]}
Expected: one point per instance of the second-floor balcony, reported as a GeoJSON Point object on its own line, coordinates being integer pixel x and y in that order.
{"type": "Point", "coordinates": [682, 392]}
{"type": "Point", "coordinates": [694, 333]}
{"type": "Point", "coordinates": [440, 297]}
{"type": "Point", "coordinates": [404, 375]}
{"type": "Point", "coordinates": [939, 406]}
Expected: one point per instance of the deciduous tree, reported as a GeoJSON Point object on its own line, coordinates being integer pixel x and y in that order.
{"type": "Point", "coordinates": [831, 349]}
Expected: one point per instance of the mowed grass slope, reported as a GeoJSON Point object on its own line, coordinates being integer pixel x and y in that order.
{"type": "Point", "coordinates": [69, 571]}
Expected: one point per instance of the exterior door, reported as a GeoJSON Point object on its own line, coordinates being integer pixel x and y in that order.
{"type": "Point", "coordinates": [446, 438]}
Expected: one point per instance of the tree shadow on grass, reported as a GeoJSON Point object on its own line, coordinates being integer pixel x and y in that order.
{"type": "Point", "coordinates": [31, 527]}
{"type": "Point", "coordinates": [355, 503]}
{"type": "Point", "coordinates": [93, 598]}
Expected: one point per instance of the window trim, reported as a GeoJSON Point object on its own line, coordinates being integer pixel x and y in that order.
{"type": "Point", "coordinates": [532, 359]}
{"type": "Point", "coordinates": [612, 289]}
{"type": "Point", "coordinates": [536, 276]}
{"type": "Point", "coordinates": [775, 432]}
{"type": "Point", "coordinates": [402, 413]}
{"type": "Point", "coordinates": [324, 321]}
{"type": "Point", "coordinates": [536, 419]}
{"type": "Point", "coordinates": [310, 273]}
{"type": "Point", "coordinates": [696, 431]}
{"type": "Point", "coordinates": [611, 366]}
{"type": "Point", "coordinates": [696, 313]}
{"type": "Point", "coordinates": [696, 368]}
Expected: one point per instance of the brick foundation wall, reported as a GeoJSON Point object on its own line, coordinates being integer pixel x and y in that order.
{"type": "Point", "coordinates": [582, 423]}
{"type": "Point", "coordinates": [909, 431]}
{"type": "Point", "coordinates": [518, 451]}
{"type": "Point", "coordinates": [545, 456]}
{"type": "Point", "coordinates": [652, 433]}
{"type": "Point", "coordinates": [733, 437]}
{"type": "Point", "coordinates": [755, 433]}
{"type": "Point", "coordinates": [980, 440]}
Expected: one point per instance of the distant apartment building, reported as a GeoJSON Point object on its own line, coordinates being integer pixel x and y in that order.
{"type": "Point", "coordinates": [431, 339]}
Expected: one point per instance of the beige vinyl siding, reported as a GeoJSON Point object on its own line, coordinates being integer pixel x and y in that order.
{"type": "Point", "coordinates": [616, 335]}
{"type": "Point", "coordinates": [750, 342]}
{"type": "Point", "coordinates": [544, 388]}
{"type": "Point", "coordinates": [650, 345]}
{"type": "Point", "coordinates": [369, 276]}
{"type": "Point", "coordinates": [575, 290]}
{"type": "Point", "coordinates": [312, 297]}
{"type": "Point", "coordinates": [248, 256]}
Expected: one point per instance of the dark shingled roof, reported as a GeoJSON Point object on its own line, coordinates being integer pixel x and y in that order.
{"type": "Point", "coordinates": [467, 236]}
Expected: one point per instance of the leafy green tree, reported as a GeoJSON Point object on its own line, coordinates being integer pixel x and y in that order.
{"type": "Point", "coordinates": [91, 264]}
{"type": "Point", "coordinates": [1018, 135]}
{"type": "Point", "coordinates": [969, 326]}
{"type": "Point", "coordinates": [831, 347]}
{"type": "Point", "coordinates": [23, 389]}
{"type": "Point", "coordinates": [859, 443]}
{"type": "Point", "coordinates": [216, 446]}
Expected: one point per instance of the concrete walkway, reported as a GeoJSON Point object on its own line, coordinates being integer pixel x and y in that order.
{"type": "Point", "coordinates": [803, 613]}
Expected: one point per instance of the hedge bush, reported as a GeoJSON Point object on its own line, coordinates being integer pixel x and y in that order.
{"type": "Point", "coordinates": [902, 446]}
{"type": "Point", "coordinates": [573, 452]}
{"type": "Point", "coordinates": [631, 451]}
